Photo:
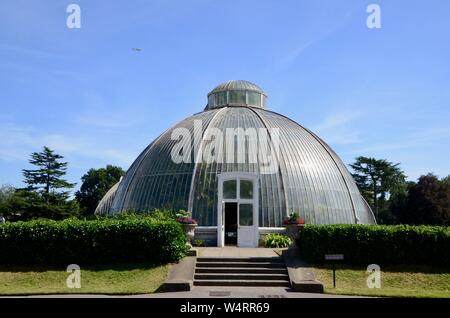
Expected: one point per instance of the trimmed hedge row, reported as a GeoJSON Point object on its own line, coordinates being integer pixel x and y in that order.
{"type": "Point", "coordinates": [90, 242]}
{"type": "Point", "coordinates": [366, 244]}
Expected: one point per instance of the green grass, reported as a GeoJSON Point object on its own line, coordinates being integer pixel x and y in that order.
{"type": "Point", "coordinates": [101, 279]}
{"type": "Point", "coordinates": [396, 281]}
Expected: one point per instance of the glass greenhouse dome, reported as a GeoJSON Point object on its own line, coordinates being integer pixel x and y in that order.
{"type": "Point", "coordinates": [236, 201]}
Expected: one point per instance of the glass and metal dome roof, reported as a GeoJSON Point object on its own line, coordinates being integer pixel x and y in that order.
{"type": "Point", "coordinates": [311, 179]}
{"type": "Point", "coordinates": [237, 93]}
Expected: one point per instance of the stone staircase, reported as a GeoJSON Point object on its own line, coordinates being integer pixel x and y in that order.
{"type": "Point", "coordinates": [241, 271]}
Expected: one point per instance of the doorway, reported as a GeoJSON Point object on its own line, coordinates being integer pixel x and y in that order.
{"type": "Point", "coordinates": [237, 216]}
{"type": "Point", "coordinates": [231, 227]}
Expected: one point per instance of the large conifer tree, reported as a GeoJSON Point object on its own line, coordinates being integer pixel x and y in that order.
{"type": "Point", "coordinates": [47, 179]}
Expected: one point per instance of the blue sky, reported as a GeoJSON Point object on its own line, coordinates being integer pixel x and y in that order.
{"type": "Point", "coordinates": [84, 92]}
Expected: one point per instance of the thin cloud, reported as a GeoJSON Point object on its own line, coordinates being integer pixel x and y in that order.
{"type": "Point", "coordinates": [338, 119]}
{"type": "Point", "coordinates": [99, 120]}
{"type": "Point", "coordinates": [291, 56]}
{"type": "Point", "coordinates": [420, 138]}
{"type": "Point", "coordinates": [18, 142]}
{"type": "Point", "coordinates": [30, 52]}
{"type": "Point", "coordinates": [101, 113]}
{"type": "Point", "coordinates": [336, 128]}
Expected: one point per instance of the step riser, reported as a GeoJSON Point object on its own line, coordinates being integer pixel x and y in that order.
{"type": "Point", "coordinates": [232, 271]}
{"type": "Point", "coordinates": [206, 270]}
{"type": "Point", "coordinates": [241, 277]}
{"type": "Point", "coordinates": [248, 265]}
{"type": "Point", "coordinates": [239, 283]}
{"type": "Point", "coordinates": [240, 260]}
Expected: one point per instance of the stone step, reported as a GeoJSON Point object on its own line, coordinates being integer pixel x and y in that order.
{"type": "Point", "coordinates": [242, 264]}
{"type": "Point", "coordinates": [243, 270]}
{"type": "Point", "coordinates": [240, 260]}
{"type": "Point", "coordinates": [242, 276]}
{"type": "Point", "coordinates": [249, 283]}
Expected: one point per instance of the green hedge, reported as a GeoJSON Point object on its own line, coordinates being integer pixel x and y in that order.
{"type": "Point", "coordinates": [90, 242]}
{"type": "Point", "coordinates": [366, 244]}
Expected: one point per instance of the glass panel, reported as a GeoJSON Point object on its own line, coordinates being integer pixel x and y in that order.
{"type": "Point", "coordinates": [246, 190]}
{"type": "Point", "coordinates": [221, 98]}
{"type": "Point", "coordinates": [254, 99]}
{"type": "Point", "coordinates": [246, 214]}
{"type": "Point", "coordinates": [264, 102]}
{"type": "Point", "coordinates": [229, 189]}
{"type": "Point", "coordinates": [211, 100]}
{"type": "Point", "coordinates": [237, 97]}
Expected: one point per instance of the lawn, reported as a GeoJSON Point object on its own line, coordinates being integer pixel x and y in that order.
{"type": "Point", "coordinates": [101, 279]}
{"type": "Point", "coordinates": [396, 281]}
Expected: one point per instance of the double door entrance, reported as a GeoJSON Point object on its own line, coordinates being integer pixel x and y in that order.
{"type": "Point", "coordinates": [237, 216]}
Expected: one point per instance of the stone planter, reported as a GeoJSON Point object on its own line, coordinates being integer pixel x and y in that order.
{"type": "Point", "coordinates": [293, 231]}
{"type": "Point", "coordinates": [189, 230]}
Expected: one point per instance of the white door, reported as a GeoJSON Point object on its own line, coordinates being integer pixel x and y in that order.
{"type": "Point", "coordinates": [242, 190]}
{"type": "Point", "coordinates": [246, 227]}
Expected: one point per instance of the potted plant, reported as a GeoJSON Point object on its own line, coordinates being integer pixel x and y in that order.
{"type": "Point", "coordinates": [294, 223]}
{"type": "Point", "coordinates": [188, 223]}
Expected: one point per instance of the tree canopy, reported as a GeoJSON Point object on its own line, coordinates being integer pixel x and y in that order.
{"type": "Point", "coordinates": [46, 194]}
{"type": "Point", "coordinates": [47, 178]}
{"type": "Point", "coordinates": [425, 202]}
{"type": "Point", "coordinates": [377, 179]}
{"type": "Point", "coordinates": [95, 184]}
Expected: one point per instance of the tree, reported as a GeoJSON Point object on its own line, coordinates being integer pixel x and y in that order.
{"type": "Point", "coordinates": [6, 194]}
{"type": "Point", "coordinates": [96, 182]}
{"type": "Point", "coordinates": [426, 202]}
{"type": "Point", "coordinates": [46, 194]}
{"type": "Point", "coordinates": [377, 179]}
{"type": "Point", "coordinates": [47, 179]}
{"type": "Point", "coordinates": [446, 180]}
{"type": "Point", "coordinates": [26, 205]}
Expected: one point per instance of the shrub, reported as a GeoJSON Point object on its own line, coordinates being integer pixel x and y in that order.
{"type": "Point", "coordinates": [97, 241]}
{"type": "Point", "coordinates": [366, 244]}
{"type": "Point", "coordinates": [157, 214]}
{"type": "Point", "coordinates": [199, 243]}
{"type": "Point", "coordinates": [276, 240]}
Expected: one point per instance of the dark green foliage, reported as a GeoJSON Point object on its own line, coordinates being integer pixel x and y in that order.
{"type": "Point", "coordinates": [425, 202]}
{"type": "Point", "coordinates": [376, 178]}
{"type": "Point", "coordinates": [446, 180]}
{"type": "Point", "coordinates": [46, 195]}
{"type": "Point", "coordinates": [91, 242]}
{"type": "Point", "coordinates": [382, 244]}
{"type": "Point", "coordinates": [6, 197]}
{"type": "Point", "coordinates": [26, 205]}
{"type": "Point", "coordinates": [199, 243]}
{"type": "Point", "coordinates": [96, 182]}
{"type": "Point", "coordinates": [156, 214]}
{"type": "Point", "coordinates": [47, 177]}
{"type": "Point", "coordinates": [276, 240]}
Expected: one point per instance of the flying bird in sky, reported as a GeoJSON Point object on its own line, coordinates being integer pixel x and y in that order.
{"type": "Point", "coordinates": [136, 49]}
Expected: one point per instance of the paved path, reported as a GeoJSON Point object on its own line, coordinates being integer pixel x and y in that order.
{"type": "Point", "coordinates": [211, 292]}
{"type": "Point", "coordinates": [233, 251]}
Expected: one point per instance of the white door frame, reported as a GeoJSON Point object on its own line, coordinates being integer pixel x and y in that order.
{"type": "Point", "coordinates": [221, 203]}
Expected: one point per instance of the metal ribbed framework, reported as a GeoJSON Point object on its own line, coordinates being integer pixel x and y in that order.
{"type": "Point", "coordinates": [310, 180]}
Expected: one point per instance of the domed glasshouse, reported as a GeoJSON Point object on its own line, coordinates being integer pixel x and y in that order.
{"type": "Point", "coordinates": [241, 169]}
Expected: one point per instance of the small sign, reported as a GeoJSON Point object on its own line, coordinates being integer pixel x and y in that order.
{"type": "Point", "coordinates": [334, 257]}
